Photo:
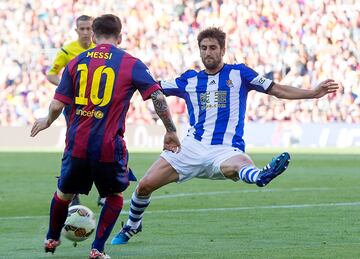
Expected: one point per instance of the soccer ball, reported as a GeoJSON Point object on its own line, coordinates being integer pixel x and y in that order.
{"type": "Point", "coordinates": [79, 224]}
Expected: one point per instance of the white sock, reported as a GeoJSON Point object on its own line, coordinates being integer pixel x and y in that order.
{"type": "Point", "coordinates": [249, 173]}
{"type": "Point", "coordinates": [137, 208]}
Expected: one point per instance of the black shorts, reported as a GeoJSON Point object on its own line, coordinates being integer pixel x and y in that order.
{"type": "Point", "coordinates": [77, 176]}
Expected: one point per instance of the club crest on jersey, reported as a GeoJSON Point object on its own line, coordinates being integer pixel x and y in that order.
{"type": "Point", "coordinates": [229, 83]}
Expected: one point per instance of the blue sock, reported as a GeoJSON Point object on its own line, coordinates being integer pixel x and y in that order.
{"type": "Point", "coordinates": [249, 173]}
{"type": "Point", "coordinates": [137, 208]}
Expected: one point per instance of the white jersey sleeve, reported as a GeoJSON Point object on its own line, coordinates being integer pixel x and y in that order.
{"type": "Point", "coordinates": [176, 87]}
{"type": "Point", "coordinates": [254, 81]}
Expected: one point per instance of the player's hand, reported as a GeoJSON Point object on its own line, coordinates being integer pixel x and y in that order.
{"type": "Point", "coordinates": [172, 142]}
{"type": "Point", "coordinates": [39, 125]}
{"type": "Point", "coordinates": [326, 87]}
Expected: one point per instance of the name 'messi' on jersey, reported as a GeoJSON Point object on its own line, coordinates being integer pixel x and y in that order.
{"type": "Point", "coordinates": [97, 54]}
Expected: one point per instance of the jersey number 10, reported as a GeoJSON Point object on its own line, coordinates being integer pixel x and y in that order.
{"type": "Point", "coordinates": [95, 85]}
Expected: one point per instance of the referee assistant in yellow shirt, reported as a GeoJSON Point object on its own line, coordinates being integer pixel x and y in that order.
{"type": "Point", "coordinates": [74, 48]}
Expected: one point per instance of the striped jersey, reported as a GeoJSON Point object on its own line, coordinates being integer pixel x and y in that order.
{"type": "Point", "coordinates": [98, 84]}
{"type": "Point", "coordinates": [216, 103]}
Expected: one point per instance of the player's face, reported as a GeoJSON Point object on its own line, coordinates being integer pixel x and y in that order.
{"type": "Point", "coordinates": [211, 53]}
{"type": "Point", "coordinates": [84, 31]}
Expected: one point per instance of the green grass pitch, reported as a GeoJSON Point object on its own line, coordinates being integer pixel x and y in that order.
{"type": "Point", "coordinates": [311, 211]}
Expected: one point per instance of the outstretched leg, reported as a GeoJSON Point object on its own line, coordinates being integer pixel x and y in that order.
{"type": "Point", "coordinates": [242, 167]}
{"type": "Point", "coordinates": [158, 175]}
{"type": "Point", "coordinates": [133, 225]}
{"type": "Point", "coordinates": [276, 167]}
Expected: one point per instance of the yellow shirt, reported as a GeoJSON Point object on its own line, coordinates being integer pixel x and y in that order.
{"type": "Point", "coordinates": [65, 54]}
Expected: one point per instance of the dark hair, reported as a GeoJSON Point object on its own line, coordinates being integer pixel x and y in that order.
{"type": "Point", "coordinates": [83, 18]}
{"type": "Point", "coordinates": [214, 33]}
{"type": "Point", "coordinates": [107, 25]}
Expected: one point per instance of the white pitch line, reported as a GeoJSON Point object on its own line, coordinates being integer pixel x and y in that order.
{"type": "Point", "coordinates": [290, 206]}
{"type": "Point", "coordinates": [177, 195]}
{"type": "Point", "coordinates": [220, 209]}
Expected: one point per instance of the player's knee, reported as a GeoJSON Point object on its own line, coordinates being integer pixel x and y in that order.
{"type": "Point", "coordinates": [144, 188]}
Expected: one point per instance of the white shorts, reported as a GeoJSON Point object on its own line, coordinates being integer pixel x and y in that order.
{"type": "Point", "coordinates": [199, 160]}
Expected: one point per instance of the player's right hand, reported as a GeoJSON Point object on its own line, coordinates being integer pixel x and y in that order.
{"type": "Point", "coordinates": [39, 125]}
{"type": "Point", "coordinates": [172, 142]}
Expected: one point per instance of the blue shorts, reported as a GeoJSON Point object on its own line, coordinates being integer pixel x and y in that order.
{"type": "Point", "coordinates": [77, 176]}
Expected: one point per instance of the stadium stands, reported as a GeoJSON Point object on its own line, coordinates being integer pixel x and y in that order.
{"type": "Point", "coordinates": [300, 44]}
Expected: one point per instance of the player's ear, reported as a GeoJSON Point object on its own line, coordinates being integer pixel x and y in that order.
{"type": "Point", "coordinates": [93, 38]}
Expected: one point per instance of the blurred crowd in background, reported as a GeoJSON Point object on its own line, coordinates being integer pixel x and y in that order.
{"type": "Point", "coordinates": [293, 42]}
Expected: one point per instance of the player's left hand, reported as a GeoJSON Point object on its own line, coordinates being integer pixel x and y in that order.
{"type": "Point", "coordinates": [326, 87]}
{"type": "Point", "coordinates": [172, 142]}
{"type": "Point", "coordinates": [39, 125]}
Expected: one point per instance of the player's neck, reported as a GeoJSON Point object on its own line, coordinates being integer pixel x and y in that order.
{"type": "Point", "coordinates": [215, 70]}
{"type": "Point", "coordinates": [109, 41]}
{"type": "Point", "coordinates": [85, 45]}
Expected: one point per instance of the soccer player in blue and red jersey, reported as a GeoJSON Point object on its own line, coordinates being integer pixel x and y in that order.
{"type": "Point", "coordinates": [67, 53]}
{"type": "Point", "coordinates": [98, 84]}
{"type": "Point", "coordinates": [214, 147]}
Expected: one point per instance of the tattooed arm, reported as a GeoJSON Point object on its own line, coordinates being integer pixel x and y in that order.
{"type": "Point", "coordinates": [162, 110]}
{"type": "Point", "coordinates": [171, 141]}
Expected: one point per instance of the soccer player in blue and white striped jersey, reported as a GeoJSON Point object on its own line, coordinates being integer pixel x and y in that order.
{"type": "Point", "coordinates": [214, 147]}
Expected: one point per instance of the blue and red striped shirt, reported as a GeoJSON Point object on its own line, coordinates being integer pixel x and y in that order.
{"type": "Point", "coordinates": [98, 84]}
